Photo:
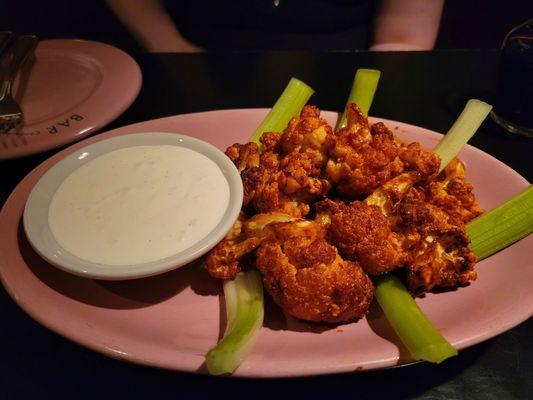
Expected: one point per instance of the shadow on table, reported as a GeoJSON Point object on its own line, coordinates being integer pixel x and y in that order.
{"type": "Point", "coordinates": [130, 294]}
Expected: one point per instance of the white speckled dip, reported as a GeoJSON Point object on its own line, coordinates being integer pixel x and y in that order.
{"type": "Point", "coordinates": [79, 207]}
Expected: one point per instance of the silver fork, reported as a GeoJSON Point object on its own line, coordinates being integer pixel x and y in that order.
{"type": "Point", "coordinates": [10, 112]}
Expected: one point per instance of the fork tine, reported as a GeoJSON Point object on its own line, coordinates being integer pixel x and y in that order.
{"type": "Point", "coordinates": [10, 111]}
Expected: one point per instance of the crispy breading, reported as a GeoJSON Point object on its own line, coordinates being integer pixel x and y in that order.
{"type": "Point", "coordinates": [451, 192]}
{"type": "Point", "coordinates": [417, 159]}
{"type": "Point", "coordinates": [307, 277]}
{"type": "Point", "coordinates": [437, 213]}
{"type": "Point", "coordinates": [270, 197]}
{"type": "Point", "coordinates": [270, 141]}
{"type": "Point", "coordinates": [264, 187]}
{"type": "Point", "coordinates": [300, 179]}
{"type": "Point", "coordinates": [315, 270]}
{"type": "Point", "coordinates": [288, 175]}
{"type": "Point", "coordinates": [362, 232]}
{"type": "Point", "coordinates": [307, 133]}
{"type": "Point", "coordinates": [243, 155]}
{"type": "Point", "coordinates": [439, 256]}
{"type": "Point", "coordinates": [362, 158]}
{"type": "Point", "coordinates": [224, 261]}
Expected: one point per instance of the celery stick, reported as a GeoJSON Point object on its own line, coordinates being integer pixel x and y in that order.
{"type": "Point", "coordinates": [244, 308]}
{"type": "Point", "coordinates": [489, 233]}
{"type": "Point", "coordinates": [364, 87]}
{"type": "Point", "coordinates": [244, 294]}
{"type": "Point", "coordinates": [462, 130]}
{"type": "Point", "coordinates": [502, 226]}
{"type": "Point", "coordinates": [422, 339]}
{"type": "Point", "coordinates": [291, 101]}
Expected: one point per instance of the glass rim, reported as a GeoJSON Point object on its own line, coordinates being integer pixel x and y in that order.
{"type": "Point", "coordinates": [513, 30]}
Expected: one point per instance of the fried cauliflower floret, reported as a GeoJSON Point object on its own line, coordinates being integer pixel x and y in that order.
{"type": "Point", "coordinates": [300, 179]}
{"type": "Point", "coordinates": [307, 277]}
{"type": "Point", "coordinates": [437, 244]}
{"type": "Point", "coordinates": [422, 161]}
{"type": "Point", "coordinates": [284, 184]}
{"type": "Point", "coordinates": [410, 217]}
{"type": "Point", "coordinates": [387, 196]}
{"type": "Point", "coordinates": [243, 155]}
{"type": "Point", "coordinates": [263, 184]}
{"type": "Point", "coordinates": [270, 141]}
{"type": "Point", "coordinates": [362, 158]}
{"type": "Point", "coordinates": [264, 192]}
{"type": "Point", "coordinates": [224, 261]}
{"type": "Point", "coordinates": [452, 193]}
{"type": "Point", "coordinates": [288, 175]}
{"type": "Point", "coordinates": [434, 266]}
{"type": "Point", "coordinates": [362, 232]}
{"type": "Point", "coordinates": [307, 133]}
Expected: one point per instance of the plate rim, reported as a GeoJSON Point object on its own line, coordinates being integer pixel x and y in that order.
{"type": "Point", "coordinates": [127, 99]}
{"type": "Point", "coordinates": [71, 335]}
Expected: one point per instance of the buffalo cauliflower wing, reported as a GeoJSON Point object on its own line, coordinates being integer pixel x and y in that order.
{"type": "Point", "coordinates": [451, 192]}
{"type": "Point", "coordinates": [394, 212]}
{"type": "Point", "coordinates": [437, 244]}
{"type": "Point", "coordinates": [362, 232]}
{"type": "Point", "coordinates": [288, 175]}
{"type": "Point", "coordinates": [307, 133]}
{"type": "Point", "coordinates": [226, 259]}
{"type": "Point", "coordinates": [364, 157]}
{"type": "Point", "coordinates": [307, 277]}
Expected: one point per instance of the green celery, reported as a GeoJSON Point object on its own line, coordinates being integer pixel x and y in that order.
{"type": "Point", "coordinates": [422, 339]}
{"type": "Point", "coordinates": [504, 225]}
{"type": "Point", "coordinates": [462, 130]}
{"type": "Point", "coordinates": [291, 101]}
{"type": "Point", "coordinates": [244, 309]}
{"type": "Point", "coordinates": [244, 294]}
{"type": "Point", "coordinates": [489, 233]}
{"type": "Point", "coordinates": [362, 93]}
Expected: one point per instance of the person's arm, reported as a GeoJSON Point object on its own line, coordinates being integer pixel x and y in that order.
{"type": "Point", "coordinates": [407, 25]}
{"type": "Point", "coordinates": [150, 24]}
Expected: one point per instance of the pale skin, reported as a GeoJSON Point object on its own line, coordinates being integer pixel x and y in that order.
{"type": "Point", "coordinates": [141, 16]}
{"type": "Point", "coordinates": [400, 25]}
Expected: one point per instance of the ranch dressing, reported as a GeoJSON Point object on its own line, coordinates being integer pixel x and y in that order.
{"type": "Point", "coordinates": [138, 204]}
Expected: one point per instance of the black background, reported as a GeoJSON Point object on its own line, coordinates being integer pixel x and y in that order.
{"type": "Point", "coordinates": [426, 89]}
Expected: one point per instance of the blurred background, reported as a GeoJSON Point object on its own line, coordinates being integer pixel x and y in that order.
{"type": "Point", "coordinates": [474, 24]}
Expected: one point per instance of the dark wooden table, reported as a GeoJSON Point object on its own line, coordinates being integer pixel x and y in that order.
{"type": "Point", "coordinates": [426, 89]}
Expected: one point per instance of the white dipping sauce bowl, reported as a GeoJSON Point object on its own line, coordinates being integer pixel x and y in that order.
{"type": "Point", "coordinates": [41, 238]}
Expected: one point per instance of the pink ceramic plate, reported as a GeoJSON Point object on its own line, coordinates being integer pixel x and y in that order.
{"type": "Point", "coordinates": [172, 320]}
{"type": "Point", "coordinates": [70, 89]}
